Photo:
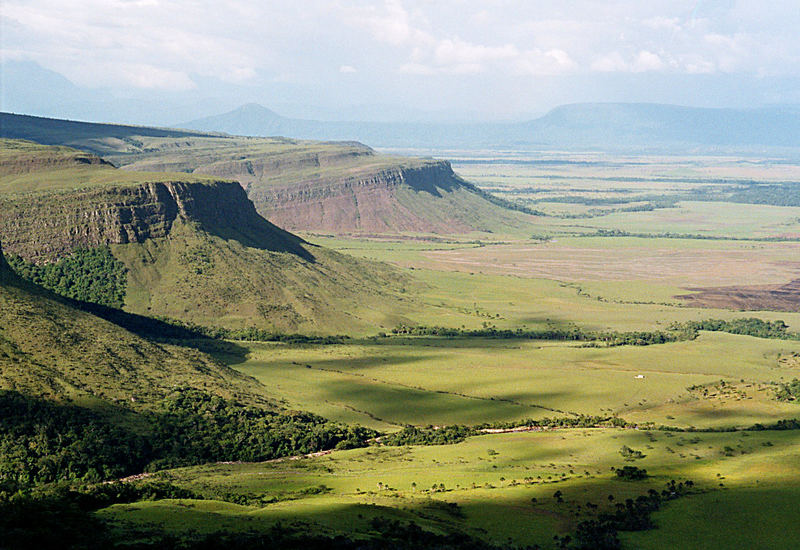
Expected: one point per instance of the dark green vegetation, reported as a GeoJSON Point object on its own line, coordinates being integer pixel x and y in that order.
{"type": "Point", "coordinates": [87, 275]}
{"type": "Point", "coordinates": [43, 442]}
{"type": "Point", "coordinates": [412, 435]}
{"type": "Point", "coordinates": [574, 334]}
{"type": "Point", "coordinates": [55, 348]}
{"type": "Point", "coordinates": [632, 515]}
{"type": "Point", "coordinates": [71, 524]}
{"type": "Point", "coordinates": [677, 332]}
{"type": "Point", "coordinates": [742, 192]}
{"type": "Point", "coordinates": [631, 473]}
{"type": "Point", "coordinates": [789, 391]}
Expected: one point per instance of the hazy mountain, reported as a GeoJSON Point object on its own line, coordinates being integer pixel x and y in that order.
{"type": "Point", "coordinates": [603, 126]}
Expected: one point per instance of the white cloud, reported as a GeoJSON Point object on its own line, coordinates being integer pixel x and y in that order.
{"type": "Point", "coordinates": [552, 62]}
{"type": "Point", "coordinates": [647, 61]}
{"type": "Point", "coordinates": [179, 44]}
{"type": "Point", "coordinates": [142, 75]}
{"type": "Point", "coordinates": [612, 62]}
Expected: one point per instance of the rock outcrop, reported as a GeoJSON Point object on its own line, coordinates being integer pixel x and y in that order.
{"type": "Point", "coordinates": [46, 226]}
{"type": "Point", "coordinates": [378, 201]}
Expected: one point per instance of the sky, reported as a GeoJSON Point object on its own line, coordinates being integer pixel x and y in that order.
{"type": "Point", "coordinates": [163, 62]}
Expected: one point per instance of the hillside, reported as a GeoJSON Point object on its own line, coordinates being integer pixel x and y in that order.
{"type": "Point", "coordinates": [90, 136]}
{"type": "Point", "coordinates": [197, 250]}
{"type": "Point", "coordinates": [333, 187]}
{"type": "Point", "coordinates": [51, 349]}
{"type": "Point", "coordinates": [596, 126]}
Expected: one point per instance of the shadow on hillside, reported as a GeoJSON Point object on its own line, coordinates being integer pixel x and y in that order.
{"type": "Point", "coordinates": [444, 342]}
{"type": "Point", "coordinates": [155, 329]}
{"type": "Point", "coordinates": [261, 234]}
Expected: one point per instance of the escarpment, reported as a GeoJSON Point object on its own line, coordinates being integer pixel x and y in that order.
{"type": "Point", "coordinates": [193, 249]}
{"type": "Point", "coordinates": [43, 227]}
{"type": "Point", "coordinates": [419, 198]}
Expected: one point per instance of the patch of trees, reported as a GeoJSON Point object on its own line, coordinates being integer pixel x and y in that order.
{"type": "Point", "coordinates": [789, 391]}
{"type": "Point", "coordinates": [577, 421]}
{"type": "Point", "coordinates": [631, 473]}
{"type": "Point", "coordinates": [601, 533]}
{"type": "Point", "coordinates": [631, 454]}
{"type": "Point", "coordinates": [695, 236]}
{"type": "Point", "coordinates": [89, 275]}
{"type": "Point", "coordinates": [780, 194]}
{"type": "Point", "coordinates": [446, 435]}
{"type": "Point", "coordinates": [750, 326]}
{"type": "Point", "coordinates": [250, 334]}
{"type": "Point", "coordinates": [43, 442]}
{"type": "Point", "coordinates": [62, 518]}
{"type": "Point", "coordinates": [569, 333]}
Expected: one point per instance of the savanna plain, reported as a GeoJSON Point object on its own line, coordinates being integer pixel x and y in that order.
{"type": "Point", "coordinates": [625, 245]}
{"type": "Point", "coordinates": [613, 365]}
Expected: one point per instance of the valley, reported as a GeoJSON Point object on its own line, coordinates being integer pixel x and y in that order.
{"type": "Point", "coordinates": [495, 336]}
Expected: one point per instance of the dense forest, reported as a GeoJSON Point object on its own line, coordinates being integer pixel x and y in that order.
{"type": "Point", "coordinates": [89, 275]}
{"type": "Point", "coordinates": [44, 442]}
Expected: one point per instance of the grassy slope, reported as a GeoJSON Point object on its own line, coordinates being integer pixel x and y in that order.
{"type": "Point", "coordinates": [27, 167]}
{"type": "Point", "coordinates": [207, 279]}
{"type": "Point", "coordinates": [486, 477]}
{"type": "Point", "coordinates": [230, 269]}
{"type": "Point", "coordinates": [50, 349]}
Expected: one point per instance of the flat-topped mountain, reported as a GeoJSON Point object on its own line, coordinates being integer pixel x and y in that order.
{"type": "Point", "coordinates": [193, 248]}
{"type": "Point", "coordinates": [333, 187]}
{"type": "Point", "coordinates": [339, 187]}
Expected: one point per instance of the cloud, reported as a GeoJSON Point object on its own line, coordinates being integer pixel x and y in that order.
{"type": "Point", "coordinates": [469, 46]}
{"type": "Point", "coordinates": [141, 44]}
{"type": "Point", "coordinates": [647, 61]}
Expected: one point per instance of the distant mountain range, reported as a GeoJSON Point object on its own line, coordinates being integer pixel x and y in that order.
{"type": "Point", "coordinates": [594, 126]}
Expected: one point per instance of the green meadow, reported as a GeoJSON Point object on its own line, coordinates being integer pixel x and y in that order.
{"type": "Point", "coordinates": [498, 487]}
{"type": "Point", "coordinates": [620, 246]}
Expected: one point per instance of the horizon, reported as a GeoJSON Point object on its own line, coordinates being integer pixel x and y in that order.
{"type": "Point", "coordinates": [391, 61]}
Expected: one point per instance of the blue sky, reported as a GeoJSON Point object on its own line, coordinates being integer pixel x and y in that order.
{"type": "Point", "coordinates": [156, 61]}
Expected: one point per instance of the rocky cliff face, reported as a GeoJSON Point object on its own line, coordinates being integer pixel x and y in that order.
{"type": "Point", "coordinates": [46, 226]}
{"type": "Point", "coordinates": [378, 201]}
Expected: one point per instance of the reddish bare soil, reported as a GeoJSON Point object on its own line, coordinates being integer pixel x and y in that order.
{"type": "Point", "coordinates": [749, 298]}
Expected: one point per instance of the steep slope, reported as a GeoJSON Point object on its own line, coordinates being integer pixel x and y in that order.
{"type": "Point", "coordinates": [342, 187]}
{"type": "Point", "coordinates": [50, 349]}
{"type": "Point", "coordinates": [334, 187]}
{"type": "Point", "coordinates": [197, 250]}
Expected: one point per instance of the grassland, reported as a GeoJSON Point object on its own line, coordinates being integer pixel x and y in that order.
{"type": "Point", "coordinates": [715, 382]}
{"type": "Point", "coordinates": [437, 381]}
{"type": "Point", "coordinates": [27, 167]}
{"type": "Point", "coordinates": [491, 479]}
{"type": "Point", "coordinates": [690, 400]}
